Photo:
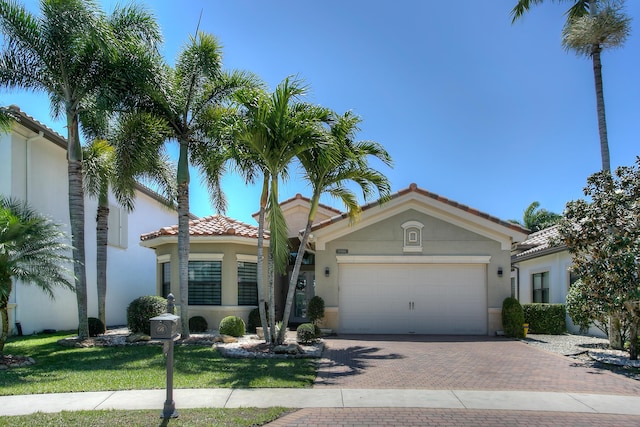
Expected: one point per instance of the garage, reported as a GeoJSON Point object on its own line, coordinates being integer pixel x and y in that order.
{"type": "Point", "coordinates": [400, 298]}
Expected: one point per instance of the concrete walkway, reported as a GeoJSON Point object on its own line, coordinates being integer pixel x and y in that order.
{"type": "Point", "coordinates": [325, 398]}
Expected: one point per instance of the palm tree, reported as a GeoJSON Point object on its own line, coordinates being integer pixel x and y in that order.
{"type": "Point", "coordinates": [191, 99]}
{"type": "Point", "coordinates": [82, 60]}
{"type": "Point", "coordinates": [133, 154]}
{"type": "Point", "coordinates": [32, 250]}
{"type": "Point", "coordinates": [536, 219]}
{"type": "Point", "coordinates": [274, 130]}
{"type": "Point", "coordinates": [327, 169]}
{"type": "Point", "coordinates": [591, 27]}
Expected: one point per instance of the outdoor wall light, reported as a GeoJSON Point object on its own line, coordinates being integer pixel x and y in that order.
{"type": "Point", "coordinates": [327, 271]}
{"type": "Point", "coordinates": [499, 271]}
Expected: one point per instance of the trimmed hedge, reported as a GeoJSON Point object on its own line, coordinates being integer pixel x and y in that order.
{"type": "Point", "coordinates": [141, 310]}
{"type": "Point", "coordinates": [96, 327]}
{"type": "Point", "coordinates": [306, 333]}
{"type": "Point", "coordinates": [198, 324]}
{"type": "Point", "coordinates": [545, 318]}
{"type": "Point", "coordinates": [233, 326]}
{"type": "Point", "coordinates": [315, 309]}
{"type": "Point", "coordinates": [254, 320]}
{"type": "Point", "coordinates": [512, 318]}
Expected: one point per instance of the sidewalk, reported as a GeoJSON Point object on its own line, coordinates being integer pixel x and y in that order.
{"type": "Point", "coordinates": [324, 398]}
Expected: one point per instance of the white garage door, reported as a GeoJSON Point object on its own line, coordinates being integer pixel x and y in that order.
{"type": "Point", "coordinates": [413, 298]}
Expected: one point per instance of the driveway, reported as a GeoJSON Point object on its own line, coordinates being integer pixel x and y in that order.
{"type": "Point", "coordinates": [457, 363]}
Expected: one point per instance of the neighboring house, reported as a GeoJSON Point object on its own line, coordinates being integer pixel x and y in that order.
{"type": "Point", "coordinates": [419, 263]}
{"type": "Point", "coordinates": [33, 168]}
{"type": "Point", "coordinates": [541, 271]}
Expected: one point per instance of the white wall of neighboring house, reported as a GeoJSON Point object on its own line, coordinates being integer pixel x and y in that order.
{"type": "Point", "coordinates": [34, 168]}
{"type": "Point", "coordinates": [558, 265]}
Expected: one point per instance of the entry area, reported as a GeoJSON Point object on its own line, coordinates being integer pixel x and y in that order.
{"type": "Point", "coordinates": [441, 299]}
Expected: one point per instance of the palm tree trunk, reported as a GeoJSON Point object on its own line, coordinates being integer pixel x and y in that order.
{"type": "Point", "coordinates": [76, 219]}
{"type": "Point", "coordinates": [102, 234]}
{"type": "Point", "coordinates": [272, 304]}
{"type": "Point", "coordinates": [4, 316]}
{"type": "Point", "coordinates": [260, 264]}
{"type": "Point", "coordinates": [293, 280]}
{"type": "Point", "coordinates": [183, 236]}
{"type": "Point", "coordinates": [602, 119]}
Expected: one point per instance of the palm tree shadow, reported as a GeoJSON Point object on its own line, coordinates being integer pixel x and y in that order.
{"type": "Point", "coordinates": [346, 362]}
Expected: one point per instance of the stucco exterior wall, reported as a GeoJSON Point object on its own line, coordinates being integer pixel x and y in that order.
{"type": "Point", "coordinates": [438, 238]}
{"type": "Point", "coordinates": [229, 252]}
{"type": "Point", "coordinates": [37, 171]}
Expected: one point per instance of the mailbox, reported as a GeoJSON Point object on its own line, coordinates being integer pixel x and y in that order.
{"type": "Point", "coordinates": [164, 327]}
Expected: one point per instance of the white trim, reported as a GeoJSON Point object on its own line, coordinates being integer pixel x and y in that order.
{"type": "Point", "coordinates": [246, 258]}
{"type": "Point", "coordinates": [425, 259]}
{"type": "Point", "coordinates": [164, 240]}
{"type": "Point", "coordinates": [206, 257]}
{"type": "Point", "coordinates": [164, 258]}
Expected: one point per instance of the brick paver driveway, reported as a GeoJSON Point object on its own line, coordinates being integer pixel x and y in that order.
{"type": "Point", "coordinates": [454, 363]}
{"type": "Point", "coordinates": [458, 363]}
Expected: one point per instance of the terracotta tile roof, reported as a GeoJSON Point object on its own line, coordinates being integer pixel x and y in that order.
{"type": "Point", "coordinates": [299, 196]}
{"type": "Point", "coordinates": [214, 225]}
{"type": "Point", "coordinates": [414, 188]}
{"type": "Point", "coordinates": [538, 243]}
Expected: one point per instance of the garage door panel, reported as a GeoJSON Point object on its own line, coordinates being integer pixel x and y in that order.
{"type": "Point", "coordinates": [409, 298]}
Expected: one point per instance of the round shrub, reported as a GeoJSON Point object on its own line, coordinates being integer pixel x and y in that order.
{"type": "Point", "coordinates": [315, 309]}
{"type": "Point", "coordinates": [198, 324]}
{"type": "Point", "coordinates": [512, 318]}
{"type": "Point", "coordinates": [96, 327]}
{"type": "Point", "coordinates": [254, 320]}
{"type": "Point", "coordinates": [141, 310]}
{"type": "Point", "coordinates": [306, 333]}
{"type": "Point", "coordinates": [232, 325]}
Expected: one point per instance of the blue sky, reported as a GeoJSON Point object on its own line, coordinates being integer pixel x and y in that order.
{"type": "Point", "coordinates": [471, 107]}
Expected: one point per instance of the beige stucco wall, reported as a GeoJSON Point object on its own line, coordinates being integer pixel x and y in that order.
{"type": "Point", "coordinates": [438, 238]}
{"type": "Point", "coordinates": [229, 252]}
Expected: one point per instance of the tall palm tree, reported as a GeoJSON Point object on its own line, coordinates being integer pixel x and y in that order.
{"type": "Point", "coordinates": [82, 60]}
{"type": "Point", "coordinates": [32, 250]}
{"type": "Point", "coordinates": [134, 152]}
{"type": "Point", "coordinates": [591, 27]}
{"type": "Point", "coordinates": [276, 128]}
{"type": "Point", "coordinates": [536, 219]}
{"type": "Point", "coordinates": [192, 101]}
{"type": "Point", "coordinates": [327, 169]}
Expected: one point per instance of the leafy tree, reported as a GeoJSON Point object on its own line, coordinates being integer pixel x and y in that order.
{"type": "Point", "coordinates": [327, 169]}
{"type": "Point", "coordinates": [192, 100]}
{"type": "Point", "coordinates": [536, 219]}
{"type": "Point", "coordinates": [603, 236]}
{"type": "Point", "coordinates": [274, 129]}
{"type": "Point", "coordinates": [83, 60]}
{"type": "Point", "coordinates": [584, 310]}
{"type": "Point", "coordinates": [133, 152]}
{"type": "Point", "coordinates": [32, 250]}
{"type": "Point", "coordinates": [591, 27]}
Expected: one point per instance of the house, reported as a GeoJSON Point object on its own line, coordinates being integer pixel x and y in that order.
{"type": "Point", "coordinates": [33, 168]}
{"type": "Point", "coordinates": [418, 263]}
{"type": "Point", "coordinates": [541, 272]}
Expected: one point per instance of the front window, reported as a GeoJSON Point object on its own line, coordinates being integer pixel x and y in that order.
{"type": "Point", "coordinates": [541, 287]}
{"type": "Point", "coordinates": [166, 278]}
{"type": "Point", "coordinates": [247, 283]}
{"type": "Point", "coordinates": [205, 283]}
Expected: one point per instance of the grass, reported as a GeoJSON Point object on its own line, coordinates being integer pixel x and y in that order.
{"type": "Point", "coordinates": [187, 417]}
{"type": "Point", "coordinates": [61, 369]}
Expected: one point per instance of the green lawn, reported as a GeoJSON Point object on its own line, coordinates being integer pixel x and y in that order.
{"type": "Point", "coordinates": [62, 369]}
{"type": "Point", "coordinates": [189, 417]}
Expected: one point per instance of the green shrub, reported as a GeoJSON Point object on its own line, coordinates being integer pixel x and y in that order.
{"type": "Point", "coordinates": [512, 318]}
{"type": "Point", "coordinates": [254, 320]}
{"type": "Point", "coordinates": [198, 324]}
{"type": "Point", "coordinates": [315, 309]}
{"type": "Point", "coordinates": [585, 310]}
{"type": "Point", "coordinates": [141, 310]}
{"type": "Point", "coordinates": [96, 327]}
{"type": "Point", "coordinates": [232, 325]}
{"type": "Point", "coordinates": [306, 333]}
{"type": "Point", "coordinates": [545, 318]}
